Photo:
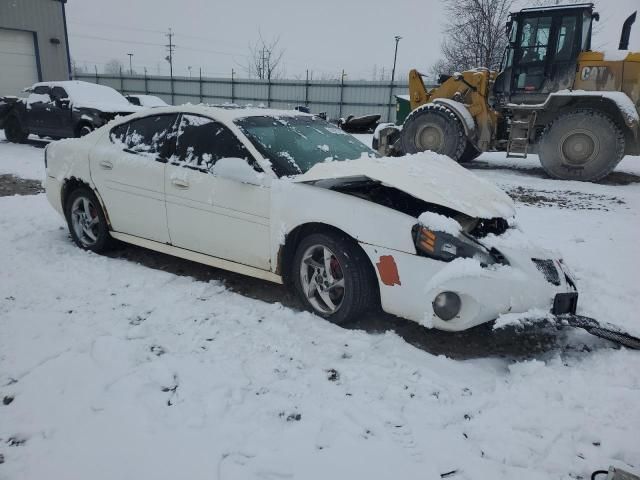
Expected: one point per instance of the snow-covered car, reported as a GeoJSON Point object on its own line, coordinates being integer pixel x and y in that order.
{"type": "Point", "coordinates": [61, 109]}
{"type": "Point", "coordinates": [289, 198]}
{"type": "Point", "coordinates": [148, 101]}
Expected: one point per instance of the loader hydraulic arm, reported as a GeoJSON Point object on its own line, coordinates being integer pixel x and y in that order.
{"type": "Point", "coordinates": [418, 94]}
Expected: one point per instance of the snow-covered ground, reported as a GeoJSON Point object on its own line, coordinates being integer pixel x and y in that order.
{"type": "Point", "coordinates": [115, 370]}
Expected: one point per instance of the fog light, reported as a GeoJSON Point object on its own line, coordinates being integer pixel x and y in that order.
{"type": "Point", "coordinates": [447, 305]}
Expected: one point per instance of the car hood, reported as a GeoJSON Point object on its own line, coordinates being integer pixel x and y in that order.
{"type": "Point", "coordinates": [427, 176]}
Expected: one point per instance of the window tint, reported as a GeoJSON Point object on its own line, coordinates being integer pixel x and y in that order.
{"type": "Point", "coordinates": [145, 135]}
{"type": "Point", "coordinates": [202, 141]}
{"type": "Point", "coordinates": [535, 39]}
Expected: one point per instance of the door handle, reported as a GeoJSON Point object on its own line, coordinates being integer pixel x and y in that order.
{"type": "Point", "coordinates": [107, 165]}
{"type": "Point", "coordinates": [181, 184]}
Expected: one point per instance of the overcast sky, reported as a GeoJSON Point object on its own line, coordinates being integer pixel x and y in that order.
{"type": "Point", "coordinates": [324, 36]}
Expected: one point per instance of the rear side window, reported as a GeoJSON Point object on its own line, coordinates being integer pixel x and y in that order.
{"type": "Point", "coordinates": [145, 135]}
{"type": "Point", "coordinates": [59, 93]}
{"type": "Point", "coordinates": [203, 141]}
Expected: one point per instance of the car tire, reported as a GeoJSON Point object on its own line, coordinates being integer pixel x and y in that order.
{"type": "Point", "coordinates": [14, 132]}
{"type": "Point", "coordinates": [84, 129]}
{"type": "Point", "coordinates": [346, 264]}
{"type": "Point", "coordinates": [581, 145]}
{"type": "Point", "coordinates": [436, 128]}
{"type": "Point", "coordinates": [86, 221]}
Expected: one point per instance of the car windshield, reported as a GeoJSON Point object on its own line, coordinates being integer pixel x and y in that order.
{"type": "Point", "coordinates": [295, 144]}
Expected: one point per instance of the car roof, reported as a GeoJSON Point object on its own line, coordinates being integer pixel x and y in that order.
{"type": "Point", "coordinates": [66, 83]}
{"type": "Point", "coordinates": [228, 112]}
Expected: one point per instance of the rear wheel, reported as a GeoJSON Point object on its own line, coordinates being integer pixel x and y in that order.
{"type": "Point", "coordinates": [436, 128]}
{"type": "Point", "coordinates": [581, 145]}
{"type": "Point", "coordinates": [14, 132]}
{"type": "Point", "coordinates": [86, 220]}
{"type": "Point", "coordinates": [333, 277]}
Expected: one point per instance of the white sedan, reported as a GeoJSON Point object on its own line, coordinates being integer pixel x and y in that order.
{"type": "Point", "coordinates": [289, 198]}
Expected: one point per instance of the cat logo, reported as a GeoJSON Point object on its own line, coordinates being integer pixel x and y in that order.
{"type": "Point", "coordinates": [593, 73]}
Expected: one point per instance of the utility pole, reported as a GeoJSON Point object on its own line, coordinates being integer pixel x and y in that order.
{"type": "Point", "coordinates": [170, 47]}
{"type": "Point", "coordinates": [393, 76]}
{"type": "Point", "coordinates": [189, 68]}
{"type": "Point", "coordinates": [130, 64]}
{"type": "Point", "coordinates": [169, 58]}
{"type": "Point", "coordinates": [395, 57]}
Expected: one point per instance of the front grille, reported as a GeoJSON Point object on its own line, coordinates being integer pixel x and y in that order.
{"type": "Point", "coordinates": [548, 269]}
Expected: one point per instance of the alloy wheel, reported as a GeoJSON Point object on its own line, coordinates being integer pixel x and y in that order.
{"type": "Point", "coordinates": [85, 221]}
{"type": "Point", "coordinates": [322, 279]}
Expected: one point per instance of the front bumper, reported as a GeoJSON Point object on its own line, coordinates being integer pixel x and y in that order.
{"type": "Point", "coordinates": [486, 293]}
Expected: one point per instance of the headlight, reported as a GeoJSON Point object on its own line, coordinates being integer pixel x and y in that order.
{"type": "Point", "coordinates": [446, 247]}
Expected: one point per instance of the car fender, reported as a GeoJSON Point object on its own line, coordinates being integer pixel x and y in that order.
{"type": "Point", "coordinates": [69, 158]}
{"type": "Point", "coordinates": [297, 204]}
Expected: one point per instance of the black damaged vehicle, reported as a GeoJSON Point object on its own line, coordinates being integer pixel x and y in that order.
{"type": "Point", "coordinates": [61, 109]}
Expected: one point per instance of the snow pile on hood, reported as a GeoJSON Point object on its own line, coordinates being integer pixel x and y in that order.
{"type": "Point", "coordinates": [440, 223]}
{"type": "Point", "coordinates": [427, 176]}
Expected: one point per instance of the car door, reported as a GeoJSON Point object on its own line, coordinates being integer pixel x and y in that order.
{"type": "Point", "coordinates": [209, 214]}
{"type": "Point", "coordinates": [58, 119]}
{"type": "Point", "coordinates": [38, 102]}
{"type": "Point", "coordinates": [128, 168]}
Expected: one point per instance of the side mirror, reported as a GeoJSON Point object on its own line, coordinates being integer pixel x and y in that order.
{"type": "Point", "coordinates": [239, 170]}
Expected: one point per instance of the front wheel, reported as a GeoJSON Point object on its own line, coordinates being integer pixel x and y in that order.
{"type": "Point", "coordinates": [86, 220]}
{"type": "Point", "coordinates": [581, 145]}
{"type": "Point", "coordinates": [333, 277]}
{"type": "Point", "coordinates": [14, 132]}
{"type": "Point", "coordinates": [436, 128]}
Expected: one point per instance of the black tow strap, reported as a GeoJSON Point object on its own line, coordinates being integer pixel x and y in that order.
{"type": "Point", "coordinates": [602, 330]}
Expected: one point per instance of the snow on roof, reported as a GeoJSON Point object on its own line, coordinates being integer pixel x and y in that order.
{"type": "Point", "coordinates": [149, 100]}
{"type": "Point", "coordinates": [91, 95]}
{"type": "Point", "coordinates": [228, 112]}
{"type": "Point", "coordinates": [557, 7]}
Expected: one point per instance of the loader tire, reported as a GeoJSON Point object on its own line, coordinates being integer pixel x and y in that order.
{"type": "Point", "coordinates": [470, 153]}
{"type": "Point", "coordinates": [436, 128]}
{"type": "Point", "coordinates": [584, 145]}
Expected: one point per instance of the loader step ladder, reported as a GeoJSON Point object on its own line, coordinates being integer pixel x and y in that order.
{"type": "Point", "coordinates": [521, 126]}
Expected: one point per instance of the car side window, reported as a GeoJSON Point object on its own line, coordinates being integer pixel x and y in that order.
{"type": "Point", "coordinates": [41, 90]}
{"type": "Point", "coordinates": [146, 135]}
{"type": "Point", "coordinates": [203, 141]}
{"type": "Point", "coordinates": [59, 93]}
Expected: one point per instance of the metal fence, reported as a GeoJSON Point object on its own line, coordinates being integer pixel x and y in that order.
{"type": "Point", "coordinates": [337, 98]}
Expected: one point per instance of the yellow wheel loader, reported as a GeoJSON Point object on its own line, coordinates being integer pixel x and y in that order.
{"type": "Point", "coordinates": [577, 109]}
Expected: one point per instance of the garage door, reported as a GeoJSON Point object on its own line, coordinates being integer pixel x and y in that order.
{"type": "Point", "coordinates": [18, 62]}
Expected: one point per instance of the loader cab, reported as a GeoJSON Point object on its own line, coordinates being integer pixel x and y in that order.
{"type": "Point", "coordinates": [543, 49]}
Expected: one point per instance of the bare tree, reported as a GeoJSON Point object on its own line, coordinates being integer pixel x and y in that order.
{"type": "Point", "coordinates": [475, 35]}
{"type": "Point", "coordinates": [265, 59]}
{"type": "Point", "coordinates": [113, 66]}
